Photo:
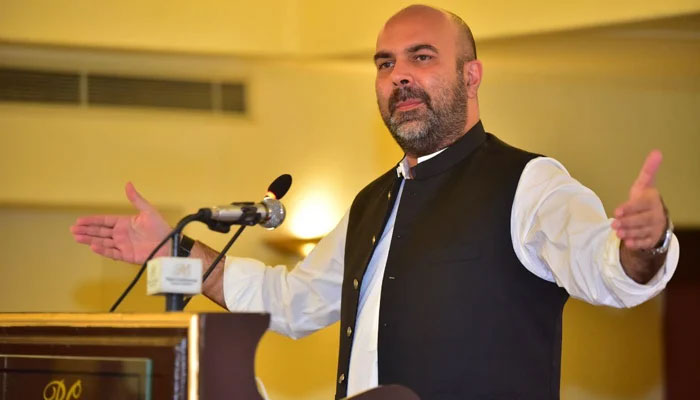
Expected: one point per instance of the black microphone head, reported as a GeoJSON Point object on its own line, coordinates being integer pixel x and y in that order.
{"type": "Point", "coordinates": [280, 186]}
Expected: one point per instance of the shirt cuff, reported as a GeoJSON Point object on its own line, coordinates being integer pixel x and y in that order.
{"type": "Point", "coordinates": [628, 292]}
{"type": "Point", "coordinates": [243, 279]}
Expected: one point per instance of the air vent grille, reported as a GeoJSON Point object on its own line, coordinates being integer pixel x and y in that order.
{"type": "Point", "coordinates": [233, 97]}
{"type": "Point", "coordinates": [39, 86]}
{"type": "Point", "coordinates": [108, 90]}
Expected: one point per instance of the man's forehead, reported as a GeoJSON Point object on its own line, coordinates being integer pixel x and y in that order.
{"type": "Point", "coordinates": [411, 26]}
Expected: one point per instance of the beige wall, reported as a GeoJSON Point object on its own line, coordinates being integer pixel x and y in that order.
{"type": "Point", "coordinates": [341, 27]}
{"type": "Point", "coordinates": [290, 27]}
{"type": "Point", "coordinates": [596, 99]}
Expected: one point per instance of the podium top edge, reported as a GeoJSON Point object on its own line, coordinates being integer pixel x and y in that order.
{"type": "Point", "coordinates": [99, 320]}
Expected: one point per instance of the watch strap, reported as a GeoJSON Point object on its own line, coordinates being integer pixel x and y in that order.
{"type": "Point", "coordinates": [186, 243]}
{"type": "Point", "coordinates": [665, 243]}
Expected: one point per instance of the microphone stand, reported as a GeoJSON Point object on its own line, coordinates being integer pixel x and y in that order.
{"type": "Point", "coordinates": [175, 301]}
{"type": "Point", "coordinates": [218, 258]}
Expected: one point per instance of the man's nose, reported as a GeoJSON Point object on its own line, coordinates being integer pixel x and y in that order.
{"type": "Point", "coordinates": [400, 76]}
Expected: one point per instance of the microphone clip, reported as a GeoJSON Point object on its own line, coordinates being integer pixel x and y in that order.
{"type": "Point", "coordinates": [250, 213]}
{"type": "Point", "coordinates": [249, 216]}
{"type": "Point", "coordinates": [218, 226]}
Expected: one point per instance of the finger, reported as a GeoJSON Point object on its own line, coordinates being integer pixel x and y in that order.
{"type": "Point", "coordinates": [96, 231]}
{"type": "Point", "coordinates": [648, 172]}
{"type": "Point", "coordinates": [636, 220]}
{"type": "Point", "coordinates": [136, 199]}
{"type": "Point", "coordinates": [635, 234]}
{"type": "Point", "coordinates": [83, 239]}
{"type": "Point", "coordinates": [100, 220]}
{"type": "Point", "coordinates": [94, 240]}
{"type": "Point", "coordinates": [631, 244]}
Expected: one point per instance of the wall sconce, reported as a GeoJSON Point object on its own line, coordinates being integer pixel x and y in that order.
{"type": "Point", "coordinates": [310, 220]}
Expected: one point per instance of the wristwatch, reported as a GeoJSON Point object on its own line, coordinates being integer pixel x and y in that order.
{"type": "Point", "coordinates": [185, 246]}
{"type": "Point", "coordinates": [666, 243]}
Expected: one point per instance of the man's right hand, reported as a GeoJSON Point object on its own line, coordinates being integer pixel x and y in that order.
{"type": "Point", "coordinates": [129, 238]}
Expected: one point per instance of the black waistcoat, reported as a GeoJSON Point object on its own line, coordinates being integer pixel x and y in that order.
{"type": "Point", "coordinates": [460, 317]}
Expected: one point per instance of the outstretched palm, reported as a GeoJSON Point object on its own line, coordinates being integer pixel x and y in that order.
{"type": "Point", "coordinates": [127, 238]}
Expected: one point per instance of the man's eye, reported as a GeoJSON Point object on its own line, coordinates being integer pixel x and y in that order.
{"type": "Point", "coordinates": [385, 64]}
{"type": "Point", "coordinates": [423, 57]}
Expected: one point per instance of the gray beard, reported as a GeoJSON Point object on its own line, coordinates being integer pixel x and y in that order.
{"type": "Point", "coordinates": [430, 128]}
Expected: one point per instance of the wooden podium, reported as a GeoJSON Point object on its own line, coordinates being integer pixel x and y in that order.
{"type": "Point", "coordinates": [136, 356]}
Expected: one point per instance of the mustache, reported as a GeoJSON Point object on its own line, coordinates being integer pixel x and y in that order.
{"type": "Point", "coordinates": [405, 93]}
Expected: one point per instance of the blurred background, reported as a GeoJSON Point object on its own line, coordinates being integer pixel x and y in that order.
{"type": "Point", "coordinates": [203, 103]}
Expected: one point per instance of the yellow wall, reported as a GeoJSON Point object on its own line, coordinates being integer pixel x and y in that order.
{"type": "Point", "coordinates": [289, 26]}
{"type": "Point", "coordinates": [341, 27]}
{"type": "Point", "coordinates": [204, 26]}
{"type": "Point", "coordinates": [596, 99]}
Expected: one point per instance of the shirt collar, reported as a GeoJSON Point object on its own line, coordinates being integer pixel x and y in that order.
{"type": "Point", "coordinates": [403, 170]}
{"type": "Point", "coordinates": [431, 164]}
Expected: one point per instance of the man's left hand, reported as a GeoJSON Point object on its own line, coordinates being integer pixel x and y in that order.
{"type": "Point", "coordinates": [640, 223]}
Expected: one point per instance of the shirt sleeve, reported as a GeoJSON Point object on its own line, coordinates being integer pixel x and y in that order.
{"type": "Point", "coordinates": [300, 301]}
{"type": "Point", "coordinates": [560, 233]}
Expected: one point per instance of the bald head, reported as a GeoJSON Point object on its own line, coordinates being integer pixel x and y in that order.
{"type": "Point", "coordinates": [466, 47]}
{"type": "Point", "coordinates": [465, 39]}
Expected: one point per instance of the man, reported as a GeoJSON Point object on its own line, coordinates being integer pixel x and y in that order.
{"type": "Point", "coordinates": [450, 271]}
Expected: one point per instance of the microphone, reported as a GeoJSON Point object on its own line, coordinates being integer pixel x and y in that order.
{"type": "Point", "coordinates": [279, 187]}
{"type": "Point", "coordinates": [269, 213]}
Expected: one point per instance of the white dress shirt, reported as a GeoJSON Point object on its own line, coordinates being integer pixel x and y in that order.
{"type": "Point", "coordinates": [581, 255]}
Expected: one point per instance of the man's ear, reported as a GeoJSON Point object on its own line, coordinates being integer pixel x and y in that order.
{"type": "Point", "coordinates": [472, 73]}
